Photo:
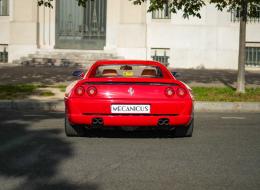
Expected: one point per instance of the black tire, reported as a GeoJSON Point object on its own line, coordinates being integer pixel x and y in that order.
{"type": "Point", "coordinates": [185, 131]}
{"type": "Point", "coordinates": [73, 130]}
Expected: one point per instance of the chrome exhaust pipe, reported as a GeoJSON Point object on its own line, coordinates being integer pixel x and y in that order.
{"type": "Point", "coordinates": [163, 122]}
{"type": "Point", "coordinates": [97, 122]}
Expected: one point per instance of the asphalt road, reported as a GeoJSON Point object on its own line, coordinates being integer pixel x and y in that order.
{"type": "Point", "coordinates": [224, 153]}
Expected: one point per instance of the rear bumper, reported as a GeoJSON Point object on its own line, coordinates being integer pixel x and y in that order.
{"type": "Point", "coordinates": [83, 112]}
{"type": "Point", "coordinates": [129, 121]}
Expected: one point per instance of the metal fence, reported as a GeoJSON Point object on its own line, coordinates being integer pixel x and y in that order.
{"type": "Point", "coordinates": [164, 59]}
{"type": "Point", "coordinates": [253, 56]}
{"type": "Point", "coordinates": [4, 7]}
{"type": "Point", "coordinates": [235, 16]}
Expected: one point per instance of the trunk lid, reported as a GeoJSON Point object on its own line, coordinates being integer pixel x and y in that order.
{"type": "Point", "coordinates": [131, 89]}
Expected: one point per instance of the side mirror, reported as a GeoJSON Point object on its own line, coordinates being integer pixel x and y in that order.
{"type": "Point", "coordinates": [176, 74]}
{"type": "Point", "coordinates": [78, 73]}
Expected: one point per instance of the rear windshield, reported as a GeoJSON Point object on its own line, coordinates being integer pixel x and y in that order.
{"type": "Point", "coordinates": [128, 71]}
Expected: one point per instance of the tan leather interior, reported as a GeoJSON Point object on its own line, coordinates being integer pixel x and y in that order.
{"type": "Point", "coordinates": [148, 73]}
{"type": "Point", "coordinates": [109, 73]}
{"type": "Point", "coordinates": [126, 67]}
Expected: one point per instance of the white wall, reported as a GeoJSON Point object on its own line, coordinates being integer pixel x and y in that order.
{"type": "Point", "coordinates": [4, 29]}
{"type": "Point", "coordinates": [23, 35]}
{"type": "Point", "coordinates": [126, 29]}
{"type": "Point", "coordinates": [210, 42]}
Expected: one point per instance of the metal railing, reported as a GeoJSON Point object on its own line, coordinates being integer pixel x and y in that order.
{"type": "Point", "coordinates": [164, 59]}
{"type": "Point", "coordinates": [4, 7]}
{"type": "Point", "coordinates": [253, 56]}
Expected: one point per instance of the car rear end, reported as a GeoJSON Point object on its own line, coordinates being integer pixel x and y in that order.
{"type": "Point", "coordinates": [129, 103]}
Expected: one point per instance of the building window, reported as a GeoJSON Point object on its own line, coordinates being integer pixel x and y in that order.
{"type": "Point", "coordinates": [3, 54]}
{"type": "Point", "coordinates": [235, 16]}
{"type": "Point", "coordinates": [162, 13]}
{"type": "Point", "coordinates": [253, 56]}
{"type": "Point", "coordinates": [161, 55]}
{"type": "Point", "coordinates": [4, 7]}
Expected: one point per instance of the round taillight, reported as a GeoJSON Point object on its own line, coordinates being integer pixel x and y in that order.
{"type": "Point", "coordinates": [92, 91]}
{"type": "Point", "coordinates": [79, 91]}
{"type": "Point", "coordinates": [169, 92]}
{"type": "Point", "coordinates": [181, 92]}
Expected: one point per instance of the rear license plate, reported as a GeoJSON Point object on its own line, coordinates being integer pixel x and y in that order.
{"type": "Point", "coordinates": [130, 108]}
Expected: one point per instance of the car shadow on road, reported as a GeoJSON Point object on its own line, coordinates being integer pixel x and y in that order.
{"type": "Point", "coordinates": [30, 157]}
{"type": "Point", "coordinates": [118, 133]}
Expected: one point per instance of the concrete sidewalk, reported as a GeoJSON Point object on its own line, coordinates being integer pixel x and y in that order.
{"type": "Point", "coordinates": [58, 105]}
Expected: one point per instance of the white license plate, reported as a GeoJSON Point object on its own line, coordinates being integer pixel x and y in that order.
{"type": "Point", "coordinates": [130, 108]}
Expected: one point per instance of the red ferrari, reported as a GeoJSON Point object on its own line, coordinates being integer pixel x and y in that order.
{"type": "Point", "coordinates": [128, 94]}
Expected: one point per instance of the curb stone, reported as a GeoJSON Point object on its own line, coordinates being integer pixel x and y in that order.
{"type": "Point", "coordinates": [28, 105]}
{"type": "Point", "coordinates": [58, 105]}
{"type": "Point", "coordinates": [227, 106]}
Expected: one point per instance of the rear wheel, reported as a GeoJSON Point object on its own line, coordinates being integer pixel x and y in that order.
{"type": "Point", "coordinates": [73, 130]}
{"type": "Point", "coordinates": [185, 131]}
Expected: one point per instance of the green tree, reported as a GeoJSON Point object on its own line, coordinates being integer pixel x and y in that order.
{"type": "Point", "coordinates": [247, 8]}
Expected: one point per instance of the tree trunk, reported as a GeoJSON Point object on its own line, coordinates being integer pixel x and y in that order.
{"type": "Point", "coordinates": [242, 49]}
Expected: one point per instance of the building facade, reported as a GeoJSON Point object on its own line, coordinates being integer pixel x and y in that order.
{"type": "Point", "coordinates": [127, 30]}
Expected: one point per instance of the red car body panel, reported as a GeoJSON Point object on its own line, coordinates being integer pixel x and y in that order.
{"type": "Point", "coordinates": [80, 110]}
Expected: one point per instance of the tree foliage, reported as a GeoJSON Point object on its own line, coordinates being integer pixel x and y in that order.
{"type": "Point", "coordinates": [189, 7]}
{"type": "Point", "coordinates": [192, 7]}
{"type": "Point", "coordinates": [46, 3]}
{"type": "Point", "coordinates": [83, 2]}
{"type": "Point", "coordinates": [252, 5]}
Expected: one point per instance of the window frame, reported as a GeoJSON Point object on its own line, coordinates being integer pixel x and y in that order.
{"type": "Point", "coordinates": [163, 59]}
{"type": "Point", "coordinates": [162, 14]}
{"type": "Point", "coordinates": [235, 16]}
{"type": "Point", "coordinates": [252, 56]}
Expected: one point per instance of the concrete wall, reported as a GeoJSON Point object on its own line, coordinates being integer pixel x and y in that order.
{"type": "Point", "coordinates": [23, 35]}
{"type": "Point", "coordinates": [132, 31]}
{"type": "Point", "coordinates": [4, 29]}
{"type": "Point", "coordinates": [210, 42]}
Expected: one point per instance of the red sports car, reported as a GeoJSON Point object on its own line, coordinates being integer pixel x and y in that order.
{"type": "Point", "coordinates": [128, 94]}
